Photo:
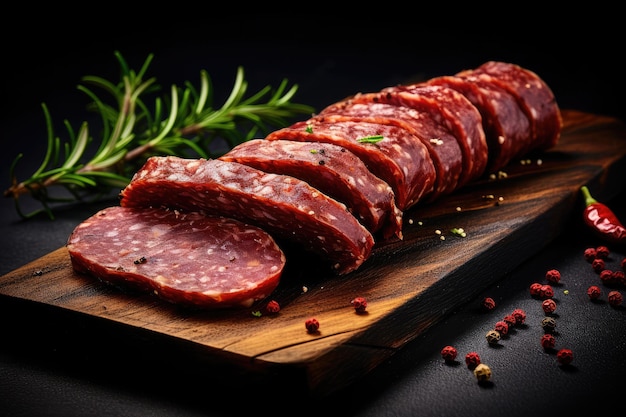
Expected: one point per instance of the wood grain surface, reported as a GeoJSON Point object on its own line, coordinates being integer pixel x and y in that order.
{"type": "Point", "coordinates": [409, 285]}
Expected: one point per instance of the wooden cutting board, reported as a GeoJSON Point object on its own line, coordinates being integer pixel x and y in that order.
{"type": "Point", "coordinates": [409, 285]}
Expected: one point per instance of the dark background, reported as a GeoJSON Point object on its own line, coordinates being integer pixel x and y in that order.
{"type": "Point", "coordinates": [329, 56]}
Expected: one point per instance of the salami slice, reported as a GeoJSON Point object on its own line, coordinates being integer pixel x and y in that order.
{"type": "Point", "coordinates": [184, 258]}
{"type": "Point", "coordinates": [400, 159]}
{"type": "Point", "coordinates": [332, 169]}
{"type": "Point", "coordinates": [535, 97]}
{"type": "Point", "coordinates": [504, 122]}
{"type": "Point", "coordinates": [442, 146]}
{"type": "Point", "coordinates": [285, 206]}
{"type": "Point", "coordinates": [453, 110]}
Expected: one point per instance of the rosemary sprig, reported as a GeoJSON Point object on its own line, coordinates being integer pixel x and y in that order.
{"type": "Point", "coordinates": [185, 124]}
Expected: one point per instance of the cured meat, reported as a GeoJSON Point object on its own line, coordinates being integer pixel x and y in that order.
{"type": "Point", "coordinates": [332, 169]}
{"type": "Point", "coordinates": [506, 126]}
{"type": "Point", "coordinates": [442, 147]}
{"type": "Point", "coordinates": [535, 97]}
{"type": "Point", "coordinates": [400, 159]}
{"type": "Point", "coordinates": [282, 205]}
{"type": "Point", "coordinates": [454, 111]}
{"type": "Point", "coordinates": [184, 258]}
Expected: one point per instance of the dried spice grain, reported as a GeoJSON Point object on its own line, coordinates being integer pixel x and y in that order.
{"type": "Point", "coordinates": [590, 254]}
{"type": "Point", "coordinates": [535, 289]}
{"type": "Point", "coordinates": [482, 372]}
{"type": "Point", "coordinates": [615, 298]}
{"type": "Point", "coordinates": [501, 327]}
{"type": "Point", "coordinates": [520, 316]}
{"type": "Point", "coordinates": [594, 292]}
{"type": "Point", "coordinates": [548, 306]}
{"type": "Point", "coordinates": [602, 252]}
{"type": "Point", "coordinates": [488, 304]}
{"type": "Point", "coordinates": [493, 337]}
{"type": "Point", "coordinates": [546, 291]}
{"type": "Point", "coordinates": [312, 325]}
{"type": "Point", "coordinates": [449, 353]}
{"type": "Point", "coordinates": [272, 307]}
{"type": "Point", "coordinates": [598, 265]}
{"type": "Point", "coordinates": [565, 356]}
{"type": "Point", "coordinates": [359, 304]}
{"type": "Point", "coordinates": [548, 324]}
{"type": "Point", "coordinates": [472, 360]}
{"type": "Point", "coordinates": [548, 341]}
{"type": "Point", "coordinates": [553, 276]}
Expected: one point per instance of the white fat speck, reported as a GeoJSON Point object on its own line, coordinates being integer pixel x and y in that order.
{"type": "Point", "coordinates": [311, 212]}
{"type": "Point", "coordinates": [501, 139]}
{"type": "Point", "coordinates": [315, 194]}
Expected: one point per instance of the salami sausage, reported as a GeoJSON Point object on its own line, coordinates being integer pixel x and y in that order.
{"type": "Point", "coordinates": [184, 258]}
{"type": "Point", "coordinates": [332, 169]}
{"type": "Point", "coordinates": [535, 97]}
{"type": "Point", "coordinates": [285, 206]}
{"type": "Point", "coordinates": [399, 159]}
{"type": "Point", "coordinates": [453, 110]}
{"type": "Point", "coordinates": [442, 146]}
{"type": "Point", "coordinates": [505, 124]}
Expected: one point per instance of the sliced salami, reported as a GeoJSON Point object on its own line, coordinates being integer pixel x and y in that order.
{"type": "Point", "coordinates": [442, 146]}
{"type": "Point", "coordinates": [535, 97]}
{"type": "Point", "coordinates": [184, 258]}
{"type": "Point", "coordinates": [453, 110]}
{"type": "Point", "coordinates": [332, 169]}
{"type": "Point", "coordinates": [399, 159]}
{"type": "Point", "coordinates": [285, 206]}
{"type": "Point", "coordinates": [504, 122]}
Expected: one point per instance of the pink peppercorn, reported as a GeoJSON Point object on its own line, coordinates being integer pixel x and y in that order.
{"type": "Point", "coordinates": [448, 353]}
{"type": "Point", "coordinates": [553, 276]}
{"type": "Point", "coordinates": [548, 306]}
{"type": "Point", "coordinates": [510, 320]}
{"type": "Point", "coordinates": [602, 252]}
{"type": "Point", "coordinates": [272, 307]}
{"type": "Point", "coordinates": [606, 276]}
{"type": "Point", "coordinates": [598, 265]}
{"type": "Point", "coordinates": [623, 264]}
{"type": "Point", "coordinates": [312, 325]}
{"type": "Point", "coordinates": [615, 298]}
{"type": "Point", "coordinates": [535, 289]}
{"type": "Point", "coordinates": [546, 291]}
{"type": "Point", "coordinates": [520, 316]}
{"type": "Point", "coordinates": [590, 254]}
{"type": "Point", "coordinates": [489, 303]}
{"type": "Point", "coordinates": [359, 304]}
{"type": "Point", "coordinates": [594, 292]}
{"type": "Point", "coordinates": [472, 360]}
{"type": "Point", "coordinates": [619, 277]}
{"type": "Point", "coordinates": [565, 356]}
{"type": "Point", "coordinates": [548, 341]}
{"type": "Point", "coordinates": [501, 327]}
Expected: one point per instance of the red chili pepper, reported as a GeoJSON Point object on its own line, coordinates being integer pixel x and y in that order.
{"type": "Point", "coordinates": [602, 219]}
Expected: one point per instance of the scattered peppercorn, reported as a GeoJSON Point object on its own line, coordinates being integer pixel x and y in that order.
{"type": "Point", "coordinates": [501, 327]}
{"type": "Point", "coordinates": [472, 360]}
{"type": "Point", "coordinates": [606, 276]}
{"type": "Point", "coordinates": [594, 292]}
{"type": "Point", "coordinates": [615, 298]}
{"type": "Point", "coordinates": [565, 356]}
{"type": "Point", "coordinates": [590, 254]}
{"type": "Point", "coordinates": [548, 341]}
{"type": "Point", "coordinates": [553, 276]}
{"type": "Point", "coordinates": [489, 303]}
{"type": "Point", "coordinates": [482, 372]}
{"type": "Point", "coordinates": [619, 277]}
{"type": "Point", "coordinates": [272, 307]}
{"type": "Point", "coordinates": [598, 265]}
{"type": "Point", "coordinates": [546, 291]}
{"type": "Point", "coordinates": [510, 320]}
{"type": "Point", "coordinates": [520, 316]}
{"type": "Point", "coordinates": [535, 289]}
{"type": "Point", "coordinates": [602, 252]}
{"type": "Point", "coordinates": [312, 325]}
{"type": "Point", "coordinates": [449, 353]}
{"type": "Point", "coordinates": [359, 304]}
{"type": "Point", "coordinates": [623, 264]}
{"type": "Point", "coordinates": [493, 337]}
{"type": "Point", "coordinates": [548, 324]}
{"type": "Point", "coordinates": [548, 306]}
